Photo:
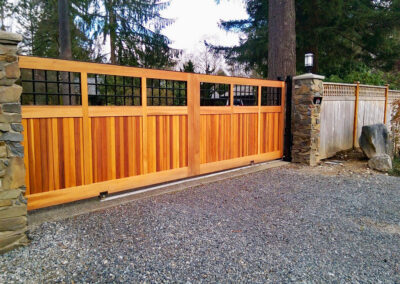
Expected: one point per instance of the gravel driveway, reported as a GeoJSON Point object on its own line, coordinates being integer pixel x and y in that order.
{"type": "Point", "coordinates": [279, 225]}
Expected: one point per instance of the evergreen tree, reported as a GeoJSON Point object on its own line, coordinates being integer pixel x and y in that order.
{"type": "Point", "coordinates": [39, 22]}
{"type": "Point", "coordinates": [157, 53]}
{"type": "Point", "coordinates": [344, 35]}
{"type": "Point", "coordinates": [188, 67]}
{"type": "Point", "coordinates": [126, 24]}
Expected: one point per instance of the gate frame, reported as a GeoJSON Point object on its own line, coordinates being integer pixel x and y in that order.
{"type": "Point", "coordinates": [193, 110]}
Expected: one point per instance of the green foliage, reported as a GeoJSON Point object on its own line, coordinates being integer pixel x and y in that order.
{"type": "Point", "coordinates": [252, 50]}
{"type": "Point", "coordinates": [343, 35]}
{"type": "Point", "coordinates": [396, 167]}
{"type": "Point", "coordinates": [39, 21]}
{"type": "Point", "coordinates": [125, 22]}
{"type": "Point", "coordinates": [157, 53]}
{"type": "Point", "coordinates": [369, 76]}
{"type": "Point", "coordinates": [188, 67]}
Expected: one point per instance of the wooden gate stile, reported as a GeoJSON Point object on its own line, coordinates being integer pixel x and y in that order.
{"type": "Point", "coordinates": [74, 152]}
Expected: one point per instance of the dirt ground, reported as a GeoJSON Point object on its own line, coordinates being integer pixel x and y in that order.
{"type": "Point", "coordinates": [350, 163]}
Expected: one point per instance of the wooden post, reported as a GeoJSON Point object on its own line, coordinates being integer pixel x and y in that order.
{"type": "Point", "coordinates": [144, 125]}
{"type": "Point", "coordinates": [386, 103]}
{"type": "Point", "coordinates": [282, 118]}
{"type": "Point", "coordinates": [357, 94]}
{"type": "Point", "coordinates": [259, 120]}
{"type": "Point", "coordinates": [87, 139]}
{"type": "Point", "coordinates": [193, 125]}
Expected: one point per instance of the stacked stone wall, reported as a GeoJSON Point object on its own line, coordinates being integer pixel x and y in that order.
{"type": "Point", "coordinates": [306, 119]}
{"type": "Point", "coordinates": [13, 208]}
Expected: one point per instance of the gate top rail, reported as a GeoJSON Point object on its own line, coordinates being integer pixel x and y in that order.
{"type": "Point", "coordinates": [39, 63]}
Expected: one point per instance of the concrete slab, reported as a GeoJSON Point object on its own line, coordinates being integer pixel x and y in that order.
{"type": "Point", "coordinates": [37, 217]}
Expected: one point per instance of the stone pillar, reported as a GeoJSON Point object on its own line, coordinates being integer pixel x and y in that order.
{"type": "Point", "coordinates": [307, 100]}
{"type": "Point", "coordinates": [13, 209]}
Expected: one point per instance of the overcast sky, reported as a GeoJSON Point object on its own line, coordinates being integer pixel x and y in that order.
{"type": "Point", "coordinates": [197, 20]}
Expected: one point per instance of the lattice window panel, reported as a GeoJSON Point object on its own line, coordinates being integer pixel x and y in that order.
{"type": "Point", "coordinates": [339, 90]}
{"type": "Point", "coordinates": [244, 95]}
{"type": "Point", "coordinates": [44, 87]}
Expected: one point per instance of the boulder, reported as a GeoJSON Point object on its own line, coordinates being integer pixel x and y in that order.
{"type": "Point", "coordinates": [382, 163]}
{"type": "Point", "coordinates": [374, 140]}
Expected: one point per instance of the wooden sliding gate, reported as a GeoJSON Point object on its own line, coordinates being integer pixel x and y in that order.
{"type": "Point", "coordinates": [91, 128]}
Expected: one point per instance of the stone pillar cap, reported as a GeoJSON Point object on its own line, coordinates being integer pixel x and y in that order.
{"type": "Point", "coordinates": [10, 38]}
{"type": "Point", "coordinates": [309, 76]}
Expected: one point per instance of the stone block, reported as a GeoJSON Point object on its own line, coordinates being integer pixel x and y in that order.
{"type": "Point", "coordinates": [8, 82]}
{"type": "Point", "coordinates": [17, 127]}
{"type": "Point", "coordinates": [11, 136]}
{"type": "Point", "coordinates": [10, 37]}
{"type": "Point", "coordinates": [13, 211]}
{"type": "Point", "coordinates": [374, 140]}
{"type": "Point", "coordinates": [4, 127]}
{"type": "Point", "coordinates": [9, 237]}
{"type": "Point", "coordinates": [9, 58]}
{"type": "Point", "coordinates": [12, 70]}
{"type": "Point", "coordinates": [10, 94]}
{"type": "Point", "coordinates": [21, 241]}
{"type": "Point", "coordinates": [11, 107]}
{"type": "Point", "coordinates": [5, 203]}
{"type": "Point", "coordinates": [10, 117]}
{"type": "Point", "coordinates": [15, 149]}
{"type": "Point", "coordinates": [8, 49]}
{"type": "Point", "coordinates": [13, 224]}
{"type": "Point", "coordinates": [382, 163]}
{"type": "Point", "coordinates": [15, 175]}
{"type": "Point", "coordinates": [10, 194]}
{"type": "Point", "coordinates": [3, 151]}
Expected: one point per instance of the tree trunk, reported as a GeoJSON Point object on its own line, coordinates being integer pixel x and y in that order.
{"type": "Point", "coordinates": [281, 39]}
{"type": "Point", "coordinates": [113, 34]}
{"type": "Point", "coordinates": [65, 46]}
{"type": "Point", "coordinates": [2, 16]}
{"type": "Point", "coordinates": [64, 30]}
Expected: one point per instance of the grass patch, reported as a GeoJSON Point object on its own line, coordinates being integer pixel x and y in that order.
{"type": "Point", "coordinates": [396, 167]}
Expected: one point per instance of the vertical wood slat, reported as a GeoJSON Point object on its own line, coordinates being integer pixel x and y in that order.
{"type": "Point", "coordinates": [194, 122]}
{"type": "Point", "coordinates": [51, 149]}
{"type": "Point", "coordinates": [55, 153]}
{"type": "Point", "coordinates": [25, 144]}
{"type": "Point", "coordinates": [231, 100]}
{"type": "Point", "coordinates": [356, 103]}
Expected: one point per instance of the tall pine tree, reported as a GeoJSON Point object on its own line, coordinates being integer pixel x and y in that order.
{"type": "Point", "coordinates": [39, 22]}
{"type": "Point", "coordinates": [344, 35]}
{"type": "Point", "coordinates": [127, 24]}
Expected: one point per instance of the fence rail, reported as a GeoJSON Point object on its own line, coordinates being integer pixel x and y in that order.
{"type": "Point", "coordinates": [121, 133]}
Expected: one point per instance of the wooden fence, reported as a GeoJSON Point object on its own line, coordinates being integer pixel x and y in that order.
{"type": "Point", "coordinates": [346, 108]}
{"type": "Point", "coordinates": [77, 151]}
